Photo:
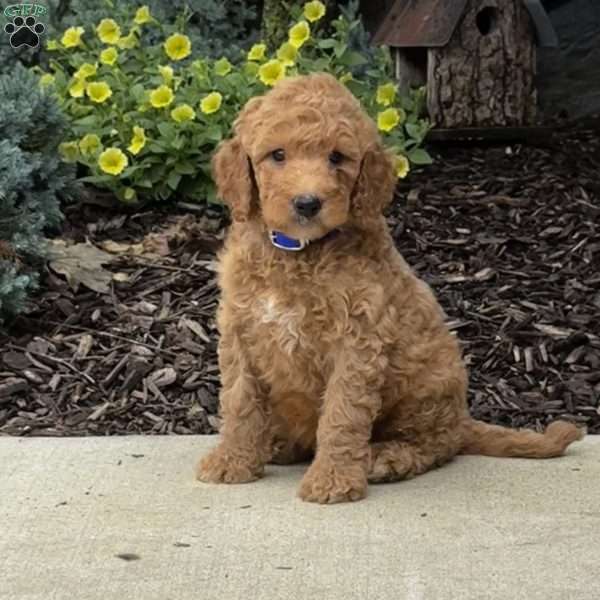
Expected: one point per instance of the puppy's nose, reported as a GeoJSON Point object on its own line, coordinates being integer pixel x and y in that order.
{"type": "Point", "coordinates": [307, 205]}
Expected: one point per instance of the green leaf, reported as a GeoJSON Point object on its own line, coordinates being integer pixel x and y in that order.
{"type": "Point", "coordinates": [211, 196]}
{"type": "Point", "coordinates": [86, 121]}
{"type": "Point", "coordinates": [185, 168]}
{"type": "Point", "coordinates": [173, 180]}
{"type": "Point", "coordinates": [145, 183]}
{"type": "Point", "coordinates": [214, 133]}
{"type": "Point", "coordinates": [178, 143]}
{"type": "Point", "coordinates": [167, 130]}
{"type": "Point", "coordinates": [339, 49]}
{"type": "Point", "coordinates": [328, 43]}
{"type": "Point", "coordinates": [358, 88]}
{"type": "Point", "coordinates": [419, 157]}
{"type": "Point", "coordinates": [414, 130]}
{"type": "Point", "coordinates": [407, 103]}
{"type": "Point", "coordinates": [320, 64]}
{"type": "Point", "coordinates": [157, 147]}
{"type": "Point", "coordinates": [137, 91]}
{"type": "Point", "coordinates": [352, 59]}
{"type": "Point", "coordinates": [129, 171]}
{"type": "Point", "coordinates": [236, 80]}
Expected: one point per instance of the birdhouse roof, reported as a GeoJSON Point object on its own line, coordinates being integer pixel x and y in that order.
{"type": "Point", "coordinates": [431, 23]}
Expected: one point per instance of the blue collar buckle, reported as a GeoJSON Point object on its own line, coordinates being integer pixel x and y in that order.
{"type": "Point", "coordinates": [283, 242]}
{"type": "Point", "coordinates": [279, 240]}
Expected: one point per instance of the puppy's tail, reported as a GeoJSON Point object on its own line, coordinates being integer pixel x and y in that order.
{"type": "Point", "coordinates": [493, 440]}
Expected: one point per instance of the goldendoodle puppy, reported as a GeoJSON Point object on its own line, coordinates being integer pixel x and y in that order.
{"type": "Point", "coordinates": [331, 348]}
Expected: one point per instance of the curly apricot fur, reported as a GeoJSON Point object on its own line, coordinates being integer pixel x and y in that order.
{"type": "Point", "coordinates": [338, 351]}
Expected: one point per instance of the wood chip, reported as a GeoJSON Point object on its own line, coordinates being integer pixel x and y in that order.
{"type": "Point", "coordinates": [11, 386]}
{"type": "Point", "coordinates": [163, 377]}
{"type": "Point", "coordinates": [85, 345]}
{"type": "Point", "coordinates": [197, 329]}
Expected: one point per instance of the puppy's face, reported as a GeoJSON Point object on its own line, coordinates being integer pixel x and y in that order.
{"type": "Point", "coordinates": [305, 159]}
{"type": "Point", "coordinates": [306, 162]}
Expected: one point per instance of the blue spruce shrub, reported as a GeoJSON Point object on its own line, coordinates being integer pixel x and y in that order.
{"type": "Point", "coordinates": [32, 177]}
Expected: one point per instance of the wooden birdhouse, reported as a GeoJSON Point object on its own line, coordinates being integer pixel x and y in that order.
{"type": "Point", "coordinates": [476, 57]}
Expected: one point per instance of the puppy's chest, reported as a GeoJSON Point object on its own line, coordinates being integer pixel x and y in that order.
{"type": "Point", "coordinates": [294, 325]}
{"type": "Point", "coordinates": [292, 345]}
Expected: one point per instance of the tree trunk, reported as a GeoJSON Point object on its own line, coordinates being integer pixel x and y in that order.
{"type": "Point", "coordinates": [484, 77]}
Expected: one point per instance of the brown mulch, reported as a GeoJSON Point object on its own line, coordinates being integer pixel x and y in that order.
{"type": "Point", "coordinates": [141, 359]}
{"type": "Point", "coordinates": [508, 237]}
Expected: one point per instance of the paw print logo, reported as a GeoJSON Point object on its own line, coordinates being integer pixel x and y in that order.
{"type": "Point", "coordinates": [24, 32]}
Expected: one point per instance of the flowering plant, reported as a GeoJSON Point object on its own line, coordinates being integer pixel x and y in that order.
{"type": "Point", "coordinates": [146, 114]}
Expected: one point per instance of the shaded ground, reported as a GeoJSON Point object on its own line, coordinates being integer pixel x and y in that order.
{"type": "Point", "coordinates": [508, 237]}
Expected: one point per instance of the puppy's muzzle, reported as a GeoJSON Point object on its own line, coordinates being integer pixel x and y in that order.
{"type": "Point", "coordinates": [306, 205]}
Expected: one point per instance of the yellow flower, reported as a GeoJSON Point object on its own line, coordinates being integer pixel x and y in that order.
{"type": "Point", "coordinates": [112, 161]}
{"type": "Point", "coordinates": [98, 91]}
{"type": "Point", "coordinates": [211, 103]}
{"type": "Point", "coordinates": [167, 74]}
{"type": "Point", "coordinates": [299, 33]}
{"type": "Point", "coordinates": [89, 143]}
{"type": "Point", "coordinates": [129, 41]}
{"type": "Point", "coordinates": [68, 151]}
{"type": "Point", "coordinates": [257, 52]}
{"type": "Point", "coordinates": [52, 45]}
{"type": "Point", "coordinates": [386, 94]}
{"type": "Point", "coordinates": [46, 79]}
{"type": "Point", "coordinates": [287, 54]}
{"type": "Point", "coordinates": [108, 31]}
{"type": "Point", "coordinates": [346, 77]}
{"type": "Point", "coordinates": [72, 37]}
{"type": "Point", "coordinates": [313, 11]}
{"type": "Point", "coordinates": [222, 67]}
{"type": "Point", "coordinates": [389, 118]}
{"type": "Point", "coordinates": [178, 46]}
{"type": "Point", "coordinates": [402, 166]}
{"type": "Point", "coordinates": [138, 141]}
{"type": "Point", "coordinates": [161, 96]}
{"type": "Point", "coordinates": [77, 89]}
{"type": "Point", "coordinates": [142, 15]}
{"type": "Point", "coordinates": [271, 72]}
{"type": "Point", "coordinates": [183, 112]}
{"type": "Point", "coordinates": [85, 70]}
{"type": "Point", "coordinates": [109, 56]}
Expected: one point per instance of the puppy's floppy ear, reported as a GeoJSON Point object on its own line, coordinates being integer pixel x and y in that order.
{"type": "Point", "coordinates": [374, 188]}
{"type": "Point", "coordinates": [232, 168]}
{"type": "Point", "coordinates": [233, 175]}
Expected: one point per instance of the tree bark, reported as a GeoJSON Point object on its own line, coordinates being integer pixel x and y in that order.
{"type": "Point", "coordinates": [484, 77]}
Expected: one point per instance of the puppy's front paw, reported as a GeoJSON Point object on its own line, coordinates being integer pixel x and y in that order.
{"type": "Point", "coordinates": [326, 482]}
{"type": "Point", "coordinates": [222, 467]}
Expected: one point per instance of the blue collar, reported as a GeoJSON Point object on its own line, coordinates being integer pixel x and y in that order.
{"type": "Point", "coordinates": [283, 242]}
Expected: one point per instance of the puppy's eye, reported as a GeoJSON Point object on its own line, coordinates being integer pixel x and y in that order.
{"type": "Point", "coordinates": [278, 155]}
{"type": "Point", "coordinates": [336, 158]}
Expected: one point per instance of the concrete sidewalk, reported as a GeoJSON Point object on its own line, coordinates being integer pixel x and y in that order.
{"type": "Point", "coordinates": [123, 519]}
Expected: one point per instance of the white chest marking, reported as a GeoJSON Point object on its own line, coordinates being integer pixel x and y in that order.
{"type": "Point", "coordinates": [286, 322]}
